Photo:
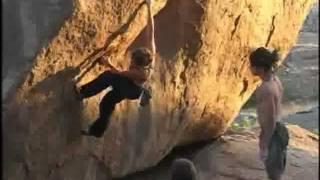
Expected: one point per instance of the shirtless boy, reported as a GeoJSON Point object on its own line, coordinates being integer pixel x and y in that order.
{"type": "Point", "coordinates": [273, 137]}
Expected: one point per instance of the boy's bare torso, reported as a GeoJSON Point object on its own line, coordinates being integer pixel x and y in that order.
{"type": "Point", "coordinates": [269, 96]}
{"type": "Point", "coordinates": [267, 90]}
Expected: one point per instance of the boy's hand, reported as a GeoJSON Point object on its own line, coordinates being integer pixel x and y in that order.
{"type": "Point", "coordinates": [103, 61]}
{"type": "Point", "coordinates": [148, 2]}
{"type": "Point", "coordinates": [263, 153]}
{"type": "Point", "coordinates": [114, 71]}
{"type": "Point", "coordinates": [106, 63]}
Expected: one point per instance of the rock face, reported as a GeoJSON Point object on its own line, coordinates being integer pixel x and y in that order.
{"type": "Point", "coordinates": [201, 81]}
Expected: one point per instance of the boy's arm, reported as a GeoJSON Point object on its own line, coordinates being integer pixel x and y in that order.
{"type": "Point", "coordinates": [267, 107]}
{"type": "Point", "coordinates": [105, 62]}
{"type": "Point", "coordinates": [150, 32]}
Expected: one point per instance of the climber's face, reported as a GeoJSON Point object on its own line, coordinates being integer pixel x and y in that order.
{"type": "Point", "coordinates": [253, 70]}
{"type": "Point", "coordinates": [257, 71]}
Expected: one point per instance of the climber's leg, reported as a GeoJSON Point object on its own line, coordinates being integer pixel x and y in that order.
{"type": "Point", "coordinates": [95, 86]}
{"type": "Point", "coordinates": [106, 108]}
{"type": "Point", "coordinates": [129, 89]}
{"type": "Point", "coordinates": [123, 88]}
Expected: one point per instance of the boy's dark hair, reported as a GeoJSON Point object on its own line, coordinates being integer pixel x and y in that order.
{"type": "Point", "coordinates": [262, 57]}
{"type": "Point", "coordinates": [141, 57]}
{"type": "Point", "coordinates": [183, 169]}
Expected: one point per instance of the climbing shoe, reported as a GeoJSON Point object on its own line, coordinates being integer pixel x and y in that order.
{"type": "Point", "coordinates": [85, 133]}
{"type": "Point", "coordinates": [77, 93]}
{"type": "Point", "coordinates": [88, 132]}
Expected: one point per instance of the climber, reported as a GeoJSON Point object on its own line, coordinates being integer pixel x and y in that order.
{"type": "Point", "coordinates": [273, 139]}
{"type": "Point", "coordinates": [125, 84]}
{"type": "Point", "coordinates": [183, 169]}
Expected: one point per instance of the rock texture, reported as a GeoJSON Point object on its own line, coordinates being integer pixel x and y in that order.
{"type": "Point", "coordinates": [200, 83]}
{"type": "Point", "coordinates": [28, 26]}
{"type": "Point", "coordinates": [235, 156]}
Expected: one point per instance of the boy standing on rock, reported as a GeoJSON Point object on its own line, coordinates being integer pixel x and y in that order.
{"type": "Point", "coordinates": [273, 139]}
{"type": "Point", "coordinates": [125, 84]}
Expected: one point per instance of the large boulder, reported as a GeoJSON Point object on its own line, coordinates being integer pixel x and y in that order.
{"type": "Point", "coordinates": [201, 80]}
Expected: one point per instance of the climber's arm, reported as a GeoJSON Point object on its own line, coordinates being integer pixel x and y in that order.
{"type": "Point", "coordinates": [150, 32]}
{"type": "Point", "coordinates": [105, 62]}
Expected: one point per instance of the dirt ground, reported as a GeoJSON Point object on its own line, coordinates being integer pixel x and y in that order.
{"type": "Point", "coordinates": [235, 157]}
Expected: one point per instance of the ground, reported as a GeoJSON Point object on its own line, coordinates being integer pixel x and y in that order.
{"type": "Point", "coordinates": [235, 157]}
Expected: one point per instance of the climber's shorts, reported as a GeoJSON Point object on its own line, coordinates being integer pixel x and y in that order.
{"type": "Point", "coordinates": [277, 152]}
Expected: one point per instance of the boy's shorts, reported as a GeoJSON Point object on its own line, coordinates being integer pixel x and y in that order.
{"type": "Point", "coordinates": [277, 152]}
